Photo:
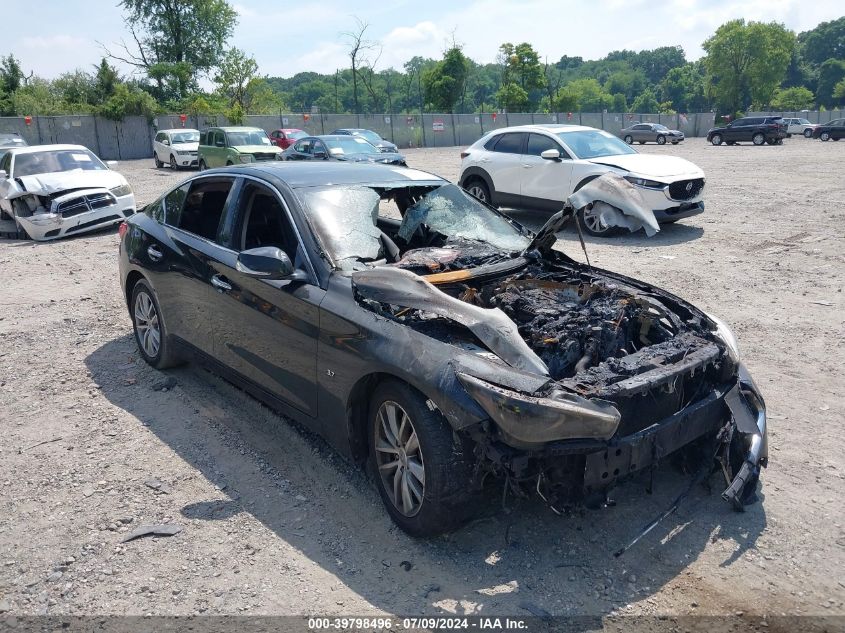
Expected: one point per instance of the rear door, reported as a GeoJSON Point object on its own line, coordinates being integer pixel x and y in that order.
{"type": "Point", "coordinates": [266, 330]}
{"type": "Point", "coordinates": [545, 183]}
{"type": "Point", "coordinates": [642, 132]}
{"type": "Point", "coordinates": [505, 166]}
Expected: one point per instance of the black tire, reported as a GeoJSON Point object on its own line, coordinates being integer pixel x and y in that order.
{"type": "Point", "coordinates": [164, 356]}
{"type": "Point", "coordinates": [834, 139]}
{"type": "Point", "coordinates": [594, 228]}
{"type": "Point", "coordinates": [730, 142]}
{"type": "Point", "coordinates": [203, 166]}
{"type": "Point", "coordinates": [641, 142]}
{"type": "Point", "coordinates": [446, 497]}
{"type": "Point", "coordinates": [158, 163]}
{"type": "Point", "coordinates": [173, 164]}
{"type": "Point", "coordinates": [478, 188]}
{"type": "Point", "coordinates": [789, 136]}
{"type": "Point", "coordinates": [661, 140]}
{"type": "Point", "coordinates": [675, 142]}
{"type": "Point", "coordinates": [759, 138]}
{"type": "Point", "coordinates": [229, 163]}
{"type": "Point", "coordinates": [629, 139]}
{"type": "Point", "coordinates": [716, 139]}
{"type": "Point", "coordinates": [772, 141]}
{"type": "Point", "coordinates": [808, 133]}
{"type": "Point", "coordinates": [825, 136]}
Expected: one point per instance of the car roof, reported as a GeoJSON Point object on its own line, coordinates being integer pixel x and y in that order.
{"type": "Point", "coordinates": [179, 129]}
{"type": "Point", "coordinates": [41, 148]}
{"type": "Point", "coordinates": [235, 128]}
{"type": "Point", "coordinates": [315, 174]}
{"type": "Point", "coordinates": [288, 129]}
{"type": "Point", "coordinates": [549, 128]}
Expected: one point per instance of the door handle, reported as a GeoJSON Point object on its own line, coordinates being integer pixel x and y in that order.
{"type": "Point", "coordinates": [154, 253]}
{"type": "Point", "coordinates": [220, 283]}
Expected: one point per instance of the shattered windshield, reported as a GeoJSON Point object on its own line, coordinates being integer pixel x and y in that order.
{"type": "Point", "coordinates": [451, 211]}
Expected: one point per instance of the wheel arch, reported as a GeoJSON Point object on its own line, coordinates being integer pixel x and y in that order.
{"type": "Point", "coordinates": [131, 280]}
{"type": "Point", "coordinates": [471, 173]}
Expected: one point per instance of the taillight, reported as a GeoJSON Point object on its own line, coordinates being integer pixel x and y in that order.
{"type": "Point", "coordinates": [121, 230]}
{"type": "Point", "coordinates": [464, 154]}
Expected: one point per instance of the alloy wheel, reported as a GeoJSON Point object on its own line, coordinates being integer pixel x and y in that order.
{"type": "Point", "coordinates": [147, 325]}
{"type": "Point", "coordinates": [593, 221]}
{"type": "Point", "coordinates": [399, 458]}
{"type": "Point", "coordinates": [478, 191]}
{"type": "Point", "coordinates": [173, 164]}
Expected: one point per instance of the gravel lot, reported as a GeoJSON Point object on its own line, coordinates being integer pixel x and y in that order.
{"type": "Point", "coordinates": [274, 523]}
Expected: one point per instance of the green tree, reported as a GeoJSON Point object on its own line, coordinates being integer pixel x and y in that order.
{"type": "Point", "coordinates": [826, 41]}
{"type": "Point", "coordinates": [590, 95]}
{"type": "Point", "coordinates": [11, 75]}
{"type": "Point", "coordinates": [620, 104]}
{"type": "Point", "coordinates": [444, 82]}
{"type": "Point", "coordinates": [512, 98]}
{"type": "Point", "coordinates": [105, 81]}
{"type": "Point", "coordinates": [746, 62]}
{"type": "Point", "coordinates": [566, 100]}
{"type": "Point", "coordinates": [236, 70]}
{"type": "Point", "coordinates": [37, 97]}
{"type": "Point", "coordinates": [839, 91]}
{"type": "Point", "coordinates": [521, 66]}
{"type": "Point", "coordinates": [683, 87]}
{"type": "Point", "coordinates": [645, 102]}
{"type": "Point", "coordinates": [175, 41]}
{"type": "Point", "coordinates": [792, 99]}
{"type": "Point", "coordinates": [831, 73]}
{"type": "Point", "coordinates": [75, 90]}
{"type": "Point", "coordinates": [128, 101]}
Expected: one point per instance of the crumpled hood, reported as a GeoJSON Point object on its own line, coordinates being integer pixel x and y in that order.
{"type": "Point", "coordinates": [651, 165]}
{"type": "Point", "coordinates": [48, 184]}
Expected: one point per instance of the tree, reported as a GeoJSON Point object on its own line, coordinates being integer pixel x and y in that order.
{"type": "Point", "coordinates": [174, 41]}
{"type": "Point", "coordinates": [839, 91]}
{"type": "Point", "coordinates": [75, 90]}
{"type": "Point", "coordinates": [521, 66]}
{"type": "Point", "coordinates": [792, 99]}
{"type": "Point", "coordinates": [645, 102]}
{"type": "Point", "coordinates": [589, 95]}
{"type": "Point", "coordinates": [11, 75]}
{"type": "Point", "coordinates": [444, 82]}
{"type": "Point", "coordinates": [620, 104]}
{"type": "Point", "coordinates": [359, 47]}
{"type": "Point", "coordinates": [826, 41]}
{"type": "Point", "coordinates": [747, 62]}
{"type": "Point", "coordinates": [831, 73]}
{"type": "Point", "coordinates": [234, 75]}
{"type": "Point", "coordinates": [105, 81]}
{"type": "Point", "coordinates": [566, 100]}
{"type": "Point", "coordinates": [683, 88]}
{"type": "Point", "coordinates": [512, 97]}
{"type": "Point", "coordinates": [128, 101]}
{"type": "Point", "coordinates": [657, 62]}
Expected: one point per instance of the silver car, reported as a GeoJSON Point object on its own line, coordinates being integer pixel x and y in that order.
{"type": "Point", "coordinates": [651, 132]}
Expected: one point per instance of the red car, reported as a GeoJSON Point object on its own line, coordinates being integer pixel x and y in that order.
{"type": "Point", "coordinates": [285, 137]}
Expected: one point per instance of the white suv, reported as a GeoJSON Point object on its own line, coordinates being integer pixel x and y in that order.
{"type": "Point", "coordinates": [177, 148]}
{"type": "Point", "coordinates": [539, 166]}
{"type": "Point", "coordinates": [799, 126]}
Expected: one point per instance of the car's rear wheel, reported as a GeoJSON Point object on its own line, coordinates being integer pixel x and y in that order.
{"type": "Point", "coordinates": [203, 166]}
{"type": "Point", "coordinates": [158, 163]}
{"type": "Point", "coordinates": [591, 221]}
{"type": "Point", "coordinates": [479, 189]}
{"type": "Point", "coordinates": [641, 142]}
{"type": "Point", "coordinates": [808, 133]}
{"type": "Point", "coordinates": [758, 139]}
{"type": "Point", "coordinates": [173, 164]}
{"type": "Point", "coordinates": [825, 136]}
{"type": "Point", "coordinates": [661, 140]}
{"type": "Point", "coordinates": [148, 324]}
{"type": "Point", "coordinates": [422, 467]}
{"type": "Point", "coordinates": [716, 139]}
{"type": "Point", "coordinates": [629, 139]}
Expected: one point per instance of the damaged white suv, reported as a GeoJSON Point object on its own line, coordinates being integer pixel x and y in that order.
{"type": "Point", "coordinates": [52, 191]}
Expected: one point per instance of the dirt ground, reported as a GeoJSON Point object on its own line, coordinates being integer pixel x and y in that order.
{"type": "Point", "coordinates": [273, 522]}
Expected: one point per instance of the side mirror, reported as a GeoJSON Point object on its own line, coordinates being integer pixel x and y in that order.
{"type": "Point", "coordinates": [165, 142]}
{"type": "Point", "coordinates": [267, 262]}
{"type": "Point", "coordinates": [550, 154]}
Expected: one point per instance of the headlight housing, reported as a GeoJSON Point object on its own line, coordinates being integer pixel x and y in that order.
{"type": "Point", "coordinates": [121, 190]}
{"type": "Point", "coordinates": [528, 421]}
{"type": "Point", "coordinates": [726, 335]}
{"type": "Point", "coordinates": [644, 182]}
{"type": "Point", "coordinates": [246, 158]}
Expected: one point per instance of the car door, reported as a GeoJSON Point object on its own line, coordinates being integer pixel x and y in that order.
{"type": "Point", "coordinates": [177, 261]}
{"type": "Point", "coordinates": [267, 330]}
{"type": "Point", "coordinates": [218, 149]}
{"type": "Point", "coordinates": [545, 183]}
{"type": "Point", "coordinates": [837, 130]}
{"type": "Point", "coordinates": [504, 164]}
{"type": "Point", "coordinates": [643, 133]}
{"type": "Point", "coordinates": [302, 149]}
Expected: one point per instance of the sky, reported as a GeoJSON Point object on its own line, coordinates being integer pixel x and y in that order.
{"type": "Point", "coordinates": [290, 37]}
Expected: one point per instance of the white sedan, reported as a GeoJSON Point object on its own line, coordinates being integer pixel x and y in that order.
{"type": "Point", "coordinates": [177, 148]}
{"type": "Point", "coordinates": [540, 166]}
{"type": "Point", "coordinates": [52, 191]}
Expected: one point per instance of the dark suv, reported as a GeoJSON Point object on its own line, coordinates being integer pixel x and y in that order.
{"type": "Point", "coordinates": [757, 129]}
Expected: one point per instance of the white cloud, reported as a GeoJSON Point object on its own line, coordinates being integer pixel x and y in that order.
{"type": "Point", "coordinates": [53, 42]}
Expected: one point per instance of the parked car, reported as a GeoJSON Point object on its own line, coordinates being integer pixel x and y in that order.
{"type": "Point", "coordinates": [285, 137]}
{"type": "Point", "coordinates": [831, 131]}
{"type": "Point", "coordinates": [369, 136]}
{"type": "Point", "coordinates": [220, 146]}
{"type": "Point", "coordinates": [338, 147]}
{"type": "Point", "coordinates": [177, 148]}
{"type": "Point", "coordinates": [799, 126]}
{"type": "Point", "coordinates": [539, 166]}
{"type": "Point", "coordinates": [651, 132]}
{"type": "Point", "coordinates": [52, 191]}
{"type": "Point", "coordinates": [757, 129]}
{"type": "Point", "coordinates": [440, 347]}
{"type": "Point", "coordinates": [11, 139]}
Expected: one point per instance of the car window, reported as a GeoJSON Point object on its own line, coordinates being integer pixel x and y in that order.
{"type": "Point", "coordinates": [264, 221]}
{"type": "Point", "coordinates": [197, 206]}
{"type": "Point", "coordinates": [6, 162]}
{"type": "Point", "coordinates": [247, 137]}
{"type": "Point", "coordinates": [185, 137]}
{"type": "Point", "coordinates": [640, 127]}
{"type": "Point", "coordinates": [159, 137]}
{"type": "Point", "coordinates": [51, 161]}
{"type": "Point", "coordinates": [319, 148]}
{"type": "Point", "coordinates": [297, 134]}
{"type": "Point", "coordinates": [350, 145]}
{"type": "Point", "coordinates": [539, 143]}
{"type": "Point", "coordinates": [594, 143]}
{"type": "Point", "coordinates": [510, 143]}
{"type": "Point", "coordinates": [303, 146]}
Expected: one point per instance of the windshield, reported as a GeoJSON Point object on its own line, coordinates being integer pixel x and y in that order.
{"type": "Point", "coordinates": [248, 137]}
{"type": "Point", "coordinates": [344, 220]}
{"type": "Point", "coordinates": [804, 122]}
{"type": "Point", "coordinates": [55, 160]}
{"type": "Point", "coordinates": [371, 136]}
{"type": "Point", "coordinates": [186, 137]}
{"type": "Point", "coordinates": [298, 134]}
{"type": "Point", "coordinates": [349, 145]}
{"type": "Point", "coordinates": [659, 126]}
{"type": "Point", "coordinates": [594, 143]}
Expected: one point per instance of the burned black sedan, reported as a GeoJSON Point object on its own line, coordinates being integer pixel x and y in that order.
{"type": "Point", "coordinates": [434, 339]}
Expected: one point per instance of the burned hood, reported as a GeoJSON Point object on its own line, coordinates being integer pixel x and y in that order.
{"type": "Point", "coordinates": [491, 326]}
{"type": "Point", "coordinates": [52, 183]}
{"type": "Point", "coordinates": [621, 205]}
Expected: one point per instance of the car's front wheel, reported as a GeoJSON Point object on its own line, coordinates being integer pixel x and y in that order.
{"type": "Point", "coordinates": [661, 140]}
{"type": "Point", "coordinates": [759, 138]}
{"type": "Point", "coordinates": [173, 165]}
{"type": "Point", "coordinates": [629, 139]}
{"type": "Point", "coordinates": [716, 139]}
{"type": "Point", "coordinates": [808, 133]}
{"type": "Point", "coordinates": [825, 136]}
{"type": "Point", "coordinates": [150, 333]}
{"type": "Point", "coordinates": [590, 219]}
{"type": "Point", "coordinates": [423, 470]}
{"type": "Point", "coordinates": [479, 189]}
{"type": "Point", "coordinates": [203, 166]}
{"type": "Point", "coordinates": [158, 163]}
